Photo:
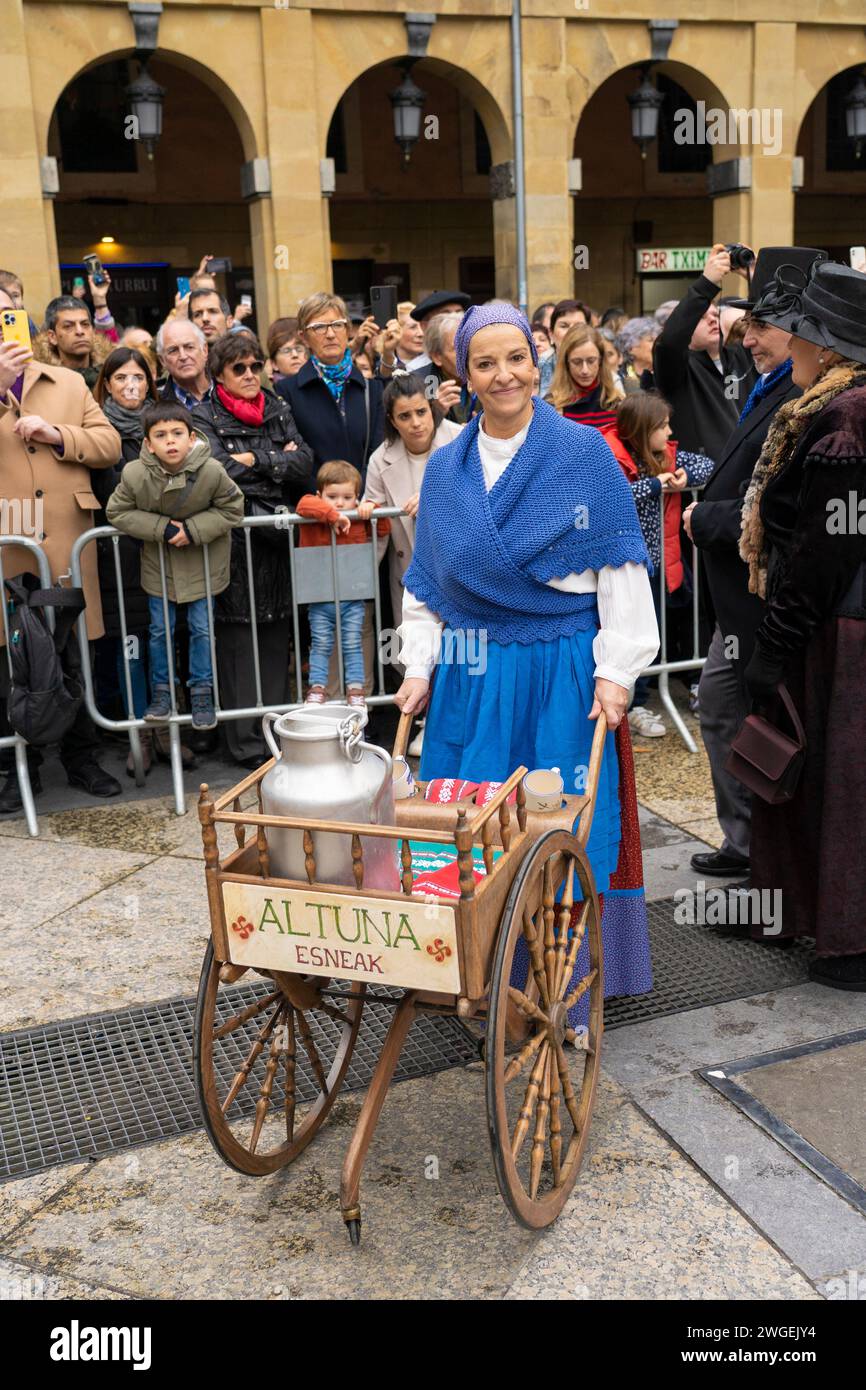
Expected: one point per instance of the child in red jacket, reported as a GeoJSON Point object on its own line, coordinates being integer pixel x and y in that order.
{"type": "Point", "coordinates": [655, 467]}
{"type": "Point", "coordinates": [339, 487]}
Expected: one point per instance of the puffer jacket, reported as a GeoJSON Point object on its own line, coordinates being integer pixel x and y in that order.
{"type": "Point", "coordinates": [646, 491]}
{"type": "Point", "coordinates": [200, 495]}
{"type": "Point", "coordinates": [276, 479]}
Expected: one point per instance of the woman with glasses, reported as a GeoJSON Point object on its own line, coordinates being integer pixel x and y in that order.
{"type": "Point", "coordinates": [253, 434]}
{"type": "Point", "coordinates": [286, 353]}
{"type": "Point", "coordinates": [584, 386]}
{"type": "Point", "coordinates": [337, 409]}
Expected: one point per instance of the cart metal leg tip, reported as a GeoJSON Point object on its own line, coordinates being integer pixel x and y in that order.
{"type": "Point", "coordinates": [353, 1225]}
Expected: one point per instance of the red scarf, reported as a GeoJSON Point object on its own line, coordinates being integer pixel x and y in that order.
{"type": "Point", "coordinates": [248, 412]}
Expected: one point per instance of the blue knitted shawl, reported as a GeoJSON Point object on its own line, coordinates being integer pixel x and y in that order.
{"type": "Point", "coordinates": [563, 505]}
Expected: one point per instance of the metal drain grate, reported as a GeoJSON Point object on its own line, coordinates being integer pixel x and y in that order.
{"type": "Point", "coordinates": [91, 1086]}
{"type": "Point", "coordinates": [694, 966]}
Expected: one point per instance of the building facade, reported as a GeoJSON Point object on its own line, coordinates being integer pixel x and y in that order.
{"type": "Point", "coordinates": [261, 95]}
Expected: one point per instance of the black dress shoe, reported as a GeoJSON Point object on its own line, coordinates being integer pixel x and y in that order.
{"type": "Point", "coordinates": [840, 972]}
{"type": "Point", "coordinates": [92, 778]}
{"type": "Point", "coordinates": [10, 796]}
{"type": "Point", "coordinates": [720, 862]}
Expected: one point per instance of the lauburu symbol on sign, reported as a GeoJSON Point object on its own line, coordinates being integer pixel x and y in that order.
{"type": "Point", "coordinates": [439, 951]}
{"type": "Point", "coordinates": [243, 927]}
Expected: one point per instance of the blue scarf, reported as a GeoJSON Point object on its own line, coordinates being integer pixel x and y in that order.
{"type": "Point", "coordinates": [335, 374]}
{"type": "Point", "coordinates": [482, 560]}
{"type": "Point", "coordinates": [763, 386]}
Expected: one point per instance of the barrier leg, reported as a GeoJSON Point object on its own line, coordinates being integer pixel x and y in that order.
{"type": "Point", "coordinates": [27, 802]}
{"type": "Point", "coordinates": [672, 711]}
{"type": "Point", "coordinates": [176, 768]}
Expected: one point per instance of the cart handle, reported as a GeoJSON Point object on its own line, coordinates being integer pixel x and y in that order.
{"type": "Point", "coordinates": [595, 756]}
{"type": "Point", "coordinates": [401, 738]}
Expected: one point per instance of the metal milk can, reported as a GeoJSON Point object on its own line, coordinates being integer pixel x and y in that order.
{"type": "Point", "coordinates": [323, 771]}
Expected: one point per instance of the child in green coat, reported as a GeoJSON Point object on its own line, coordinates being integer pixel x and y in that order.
{"type": "Point", "coordinates": [176, 493]}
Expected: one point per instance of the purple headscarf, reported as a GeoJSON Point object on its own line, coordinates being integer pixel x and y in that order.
{"type": "Point", "coordinates": [483, 316]}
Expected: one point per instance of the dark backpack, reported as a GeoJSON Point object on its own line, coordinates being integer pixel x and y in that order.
{"type": "Point", "coordinates": [46, 689]}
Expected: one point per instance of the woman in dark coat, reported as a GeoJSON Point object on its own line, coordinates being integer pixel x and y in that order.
{"type": "Point", "coordinates": [338, 410]}
{"type": "Point", "coordinates": [123, 389]}
{"type": "Point", "coordinates": [804, 539]}
{"type": "Point", "coordinates": [253, 434]}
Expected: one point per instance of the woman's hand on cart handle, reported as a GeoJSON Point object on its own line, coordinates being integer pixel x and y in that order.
{"type": "Point", "coordinates": [612, 699]}
{"type": "Point", "coordinates": [411, 698]}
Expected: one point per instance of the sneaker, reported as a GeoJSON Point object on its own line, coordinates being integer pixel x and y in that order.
{"type": "Point", "coordinates": [645, 723]}
{"type": "Point", "coordinates": [159, 709]}
{"type": "Point", "coordinates": [10, 797]}
{"type": "Point", "coordinates": [416, 747]}
{"type": "Point", "coordinates": [202, 707]}
{"type": "Point", "coordinates": [315, 695]}
{"type": "Point", "coordinates": [693, 698]}
{"type": "Point", "coordinates": [355, 696]}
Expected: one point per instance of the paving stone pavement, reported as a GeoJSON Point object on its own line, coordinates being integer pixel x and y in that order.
{"type": "Point", "coordinates": [680, 1197]}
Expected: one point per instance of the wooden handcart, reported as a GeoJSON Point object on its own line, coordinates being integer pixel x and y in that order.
{"type": "Point", "coordinates": [319, 945]}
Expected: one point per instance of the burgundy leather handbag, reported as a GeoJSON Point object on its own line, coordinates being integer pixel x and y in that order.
{"type": "Point", "coordinates": [766, 760]}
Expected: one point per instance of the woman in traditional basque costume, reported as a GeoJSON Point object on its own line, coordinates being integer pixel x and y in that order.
{"type": "Point", "coordinates": [529, 593]}
{"type": "Point", "coordinates": [804, 539]}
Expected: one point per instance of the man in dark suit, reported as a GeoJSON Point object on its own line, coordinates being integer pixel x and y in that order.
{"type": "Point", "coordinates": [713, 523]}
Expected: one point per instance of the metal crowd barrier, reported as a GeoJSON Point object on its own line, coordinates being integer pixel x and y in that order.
{"type": "Point", "coordinates": [338, 574]}
{"type": "Point", "coordinates": [317, 576]}
{"type": "Point", "coordinates": [664, 668]}
{"type": "Point", "coordinates": [15, 740]}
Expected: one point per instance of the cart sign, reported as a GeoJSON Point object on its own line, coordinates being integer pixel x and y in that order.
{"type": "Point", "coordinates": [671, 259]}
{"type": "Point", "coordinates": [389, 941]}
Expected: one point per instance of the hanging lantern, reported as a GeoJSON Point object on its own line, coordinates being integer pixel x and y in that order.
{"type": "Point", "coordinates": [145, 99]}
{"type": "Point", "coordinates": [645, 103]}
{"type": "Point", "coordinates": [855, 114]}
{"type": "Point", "coordinates": [407, 102]}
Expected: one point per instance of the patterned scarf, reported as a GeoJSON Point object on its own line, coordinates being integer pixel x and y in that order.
{"type": "Point", "coordinates": [789, 423]}
{"type": "Point", "coordinates": [763, 386]}
{"type": "Point", "coordinates": [335, 374]}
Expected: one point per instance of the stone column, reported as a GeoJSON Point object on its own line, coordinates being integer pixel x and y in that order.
{"type": "Point", "coordinates": [28, 220]}
{"type": "Point", "coordinates": [773, 96]}
{"type": "Point", "coordinates": [549, 139]}
{"type": "Point", "coordinates": [300, 254]}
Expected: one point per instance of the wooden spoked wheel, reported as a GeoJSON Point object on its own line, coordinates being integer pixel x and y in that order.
{"type": "Point", "coordinates": [540, 1087]}
{"type": "Point", "coordinates": [258, 1110]}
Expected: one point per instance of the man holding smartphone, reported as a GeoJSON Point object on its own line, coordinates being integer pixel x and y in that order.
{"type": "Point", "coordinates": [52, 433]}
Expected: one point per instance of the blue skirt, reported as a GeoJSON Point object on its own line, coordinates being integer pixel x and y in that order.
{"type": "Point", "coordinates": [528, 707]}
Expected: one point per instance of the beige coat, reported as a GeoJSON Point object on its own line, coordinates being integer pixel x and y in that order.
{"type": "Point", "coordinates": [389, 484]}
{"type": "Point", "coordinates": [38, 485]}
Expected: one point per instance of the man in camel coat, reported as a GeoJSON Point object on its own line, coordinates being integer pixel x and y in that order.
{"type": "Point", "coordinates": [52, 433]}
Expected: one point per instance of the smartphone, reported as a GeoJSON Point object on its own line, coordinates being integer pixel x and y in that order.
{"type": "Point", "coordinates": [15, 327]}
{"type": "Point", "coordinates": [183, 286]}
{"type": "Point", "coordinates": [78, 282]}
{"type": "Point", "coordinates": [94, 269]}
{"type": "Point", "coordinates": [218, 265]}
{"type": "Point", "coordinates": [247, 299]}
{"type": "Point", "coordinates": [383, 303]}
{"type": "Point", "coordinates": [857, 257]}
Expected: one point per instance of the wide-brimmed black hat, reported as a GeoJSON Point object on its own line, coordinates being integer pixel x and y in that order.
{"type": "Point", "coordinates": [833, 310]}
{"type": "Point", "coordinates": [434, 302]}
{"type": "Point", "coordinates": [770, 259]}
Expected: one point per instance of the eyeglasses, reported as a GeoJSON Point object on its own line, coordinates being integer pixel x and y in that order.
{"type": "Point", "coordinates": [182, 347]}
{"type": "Point", "coordinates": [293, 349]}
{"type": "Point", "coordinates": [335, 325]}
{"type": "Point", "coordinates": [240, 369]}
{"type": "Point", "coordinates": [578, 362]}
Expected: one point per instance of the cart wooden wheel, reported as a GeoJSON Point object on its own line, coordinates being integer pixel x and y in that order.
{"type": "Point", "coordinates": [540, 1092]}
{"type": "Point", "coordinates": [247, 1127]}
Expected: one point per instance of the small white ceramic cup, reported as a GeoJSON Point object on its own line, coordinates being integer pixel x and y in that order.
{"type": "Point", "coordinates": [404, 782]}
{"type": "Point", "coordinates": [543, 788]}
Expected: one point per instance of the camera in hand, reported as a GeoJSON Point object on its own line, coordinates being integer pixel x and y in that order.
{"type": "Point", "coordinates": [741, 256]}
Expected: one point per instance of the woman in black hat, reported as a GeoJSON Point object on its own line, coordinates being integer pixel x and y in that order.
{"type": "Point", "coordinates": [804, 540]}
